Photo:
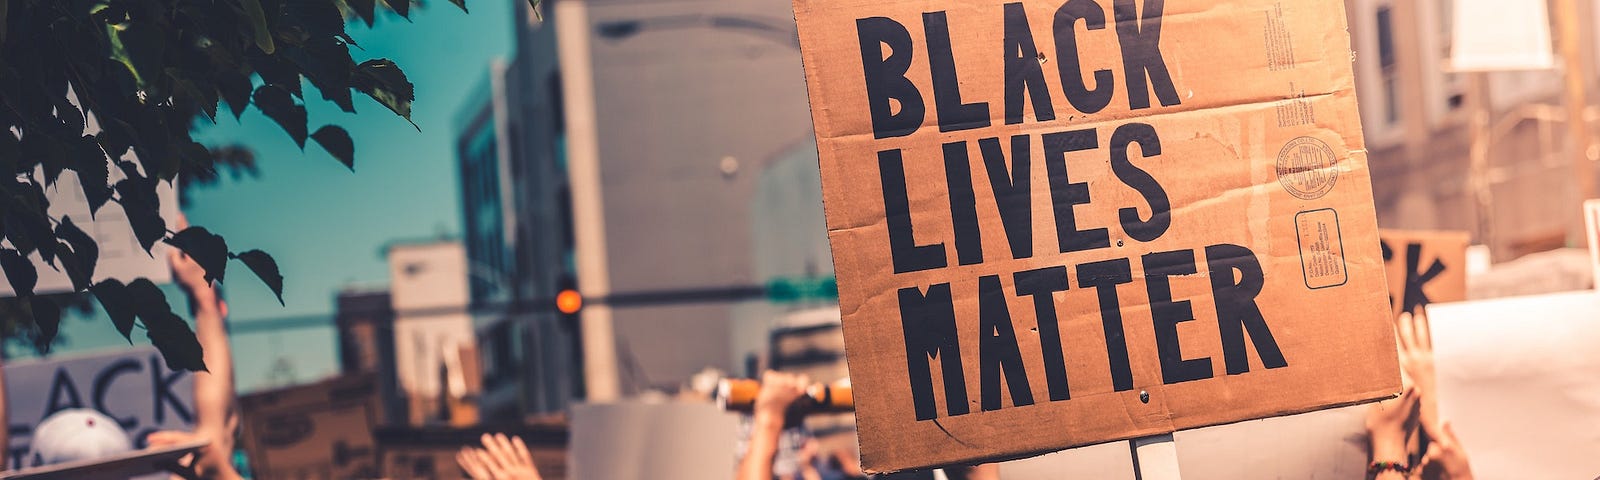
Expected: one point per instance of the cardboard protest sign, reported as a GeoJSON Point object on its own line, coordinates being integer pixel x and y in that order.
{"type": "Point", "coordinates": [317, 431]}
{"type": "Point", "coordinates": [1060, 223]}
{"type": "Point", "coordinates": [133, 386]}
{"type": "Point", "coordinates": [1424, 267]}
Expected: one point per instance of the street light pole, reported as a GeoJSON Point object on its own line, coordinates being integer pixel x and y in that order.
{"type": "Point", "coordinates": [588, 213]}
{"type": "Point", "coordinates": [1567, 19]}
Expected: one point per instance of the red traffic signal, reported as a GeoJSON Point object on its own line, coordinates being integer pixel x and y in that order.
{"type": "Point", "coordinates": [569, 301]}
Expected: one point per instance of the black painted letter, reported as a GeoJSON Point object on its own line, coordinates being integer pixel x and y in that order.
{"type": "Point", "coordinates": [929, 324]}
{"type": "Point", "coordinates": [1041, 284]}
{"type": "Point", "coordinates": [1024, 77]}
{"type": "Point", "coordinates": [907, 255]}
{"type": "Point", "coordinates": [886, 77]}
{"type": "Point", "coordinates": [1104, 278]}
{"type": "Point", "coordinates": [997, 349]}
{"type": "Point", "coordinates": [1071, 64]}
{"type": "Point", "coordinates": [953, 115]}
{"type": "Point", "coordinates": [1130, 174]}
{"type": "Point", "coordinates": [1140, 37]}
{"type": "Point", "coordinates": [1013, 190]}
{"type": "Point", "coordinates": [1065, 195]}
{"type": "Point", "coordinates": [1167, 314]}
{"type": "Point", "coordinates": [963, 204]}
{"type": "Point", "coordinates": [1236, 308]}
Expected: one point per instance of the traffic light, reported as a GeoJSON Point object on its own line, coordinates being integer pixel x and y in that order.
{"type": "Point", "coordinates": [569, 301]}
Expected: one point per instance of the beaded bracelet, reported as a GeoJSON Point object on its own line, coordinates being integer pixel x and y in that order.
{"type": "Point", "coordinates": [1379, 467]}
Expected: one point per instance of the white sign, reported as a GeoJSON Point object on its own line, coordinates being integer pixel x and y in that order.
{"type": "Point", "coordinates": [133, 386]}
{"type": "Point", "coordinates": [121, 256]}
{"type": "Point", "coordinates": [639, 441]}
{"type": "Point", "coordinates": [1517, 382]}
{"type": "Point", "coordinates": [1500, 35]}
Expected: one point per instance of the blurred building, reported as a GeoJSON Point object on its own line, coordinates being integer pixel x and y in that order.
{"type": "Point", "coordinates": [1419, 125]}
{"type": "Point", "coordinates": [693, 102]}
{"type": "Point", "coordinates": [436, 361]}
{"type": "Point", "coordinates": [417, 337]}
{"type": "Point", "coordinates": [365, 322]}
{"type": "Point", "coordinates": [510, 152]}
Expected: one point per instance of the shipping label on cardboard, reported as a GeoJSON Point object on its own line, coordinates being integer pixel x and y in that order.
{"type": "Point", "coordinates": [1060, 223]}
{"type": "Point", "coordinates": [1424, 267]}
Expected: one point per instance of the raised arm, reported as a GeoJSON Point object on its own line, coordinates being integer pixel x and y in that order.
{"type": "Point", "coordinates": [214, 402]}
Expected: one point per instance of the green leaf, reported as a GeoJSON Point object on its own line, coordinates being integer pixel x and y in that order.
{"type": "Point", "coordinates": [363, 9]}
{"type": "Point", "coordinates": [47, 317]}
{"type": "Point", "coordinates": [85, 253]}
{"type": "Point", "coordinates": [315, 18]}
{"type": "Point", "coordinates": [266, 269]}
{"type": "Point", "coordinates": [170, 334]}
{"type": "Point", "coordinates": [184, 89]}
{"type": "Point", "coordinates": [385, 82]}
{"type": "Point", "coordinates": [138, 47]}
{"type": "Point", "coordinates": [5, 15]}
{"type": "Point", "coordinates": [258, 24]}
{"type": "Point", "coordinates": [280, 107]}
{"type": "Point", "coordinates": [206, 248]}
{"type": "Point", "coordinates": [235, 89]}
{"type": "Point", "coordinates": [143, 209]}
{"type": "Point", "coordinates": [337, 142]}
{"type": "Point", "coordinates": [19, 271]}
{"type": "Point", "coordinates": [28, 230]}
{"type": "Point", "coordinates": [94, 172]}
{"type": "Point", "coordinates": [114, 299]}
{"type": "Point", "coordinates": [326, 62]}
{"type": "Point", "coordinates": [402, 7]}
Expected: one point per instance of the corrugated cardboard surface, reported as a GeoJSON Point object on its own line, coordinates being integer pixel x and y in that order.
{"type": "Point", "coordinates": [1424, 266]}
{"type": "Point", "coordinates": [317, 431]}
{"type": "Point", "coordinates": [1260, 147]}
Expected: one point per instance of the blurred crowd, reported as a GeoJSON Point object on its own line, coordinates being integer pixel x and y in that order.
{"type": "Point", "coordinates": [1407, 438]}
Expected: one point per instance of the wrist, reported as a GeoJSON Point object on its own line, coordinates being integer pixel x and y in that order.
{"type": "Point", "coordinates": [1389, 447]}
{"type": "Point", "coordinates": [765, 420]}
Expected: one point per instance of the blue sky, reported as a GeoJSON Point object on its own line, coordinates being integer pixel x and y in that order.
{"type": "Point", "coordinates": [325, 225]}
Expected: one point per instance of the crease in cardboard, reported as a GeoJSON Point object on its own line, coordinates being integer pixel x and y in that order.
{"type": "Point", "coordinates": [929, 131]}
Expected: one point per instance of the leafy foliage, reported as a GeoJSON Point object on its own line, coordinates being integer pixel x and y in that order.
{"type": "Point", "coordinates": [25, 323]}
{"type": "Point", "coordinates": [112, 89]}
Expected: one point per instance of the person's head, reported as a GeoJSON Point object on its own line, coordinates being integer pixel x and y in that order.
{"type": "Point", "coordinates": [77, 434]}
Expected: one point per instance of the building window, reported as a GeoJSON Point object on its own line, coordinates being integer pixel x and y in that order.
{"type": "Point", "coordinates": [1388, 68]}
{"type": "Point", "coordinates": [1374, 38]}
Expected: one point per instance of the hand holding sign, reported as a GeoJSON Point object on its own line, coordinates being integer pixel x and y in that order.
{"type": "Point", "coordinates": [1416, 360]}
{"type": "Point", "coordinates": [1389, 426]}
{"type": "Point", "coordinates": [1446, 459]}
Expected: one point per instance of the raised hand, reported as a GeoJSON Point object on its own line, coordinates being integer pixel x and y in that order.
{"type": "Point", "coordinates": [1446, 459]}
{"type": "Point", "coordinates": [1416, 359]}
{"type": "Point", "coordinates": [501, 458]}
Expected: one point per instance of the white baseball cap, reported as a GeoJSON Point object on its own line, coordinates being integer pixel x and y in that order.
{"type": "Point", "coordinates": [77, 434]}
